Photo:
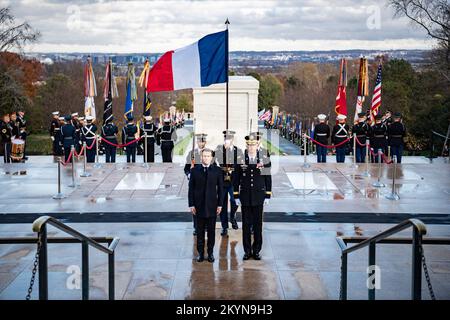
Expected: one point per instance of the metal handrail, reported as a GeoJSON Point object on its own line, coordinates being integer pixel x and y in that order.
{"type": "Point", "coordinates": [41, 221]}
{"type": "Point", "coordinates": [419, 229]}
{"type": "Point", "coordinates": [40, 226]}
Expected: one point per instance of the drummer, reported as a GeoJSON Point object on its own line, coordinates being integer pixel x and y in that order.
{"type": "Point", "coordinates": [6, 136]}
{"type": "Point", "coordinates": [14, 125]}
{"type": "Point", "coordinates": [23, 134]}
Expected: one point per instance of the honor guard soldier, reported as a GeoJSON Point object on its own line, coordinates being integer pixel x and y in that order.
{"type": "Point", "coordinates": [6, 137]}
{"type": "Point", "coordinates": [149, 129]}
{"type": "Point", "coordinates": [88, 135]}
{"type": "Point", "coordinates": [321, 135]}
{"type": "Point", "coordinates": [339, 134]}
{"type": "Point", "coordinates": [252, 188]}
{"type": "Point", "coordinates": [378, 138]}
{"type": "Point", "coordinates": [362, 132]}
{"type": "Point", "coordinates": [76, 124]}
{"type": "Point", "coordinates": [109, 133]}
{"type": "Point", "coordinates": [54, 131]}
{"type": "Point", "coordinates": [194, 159]}
{"type": "Point", "coordinates": [14, 125]}
{"type": "Point", "coordinates": [165, 137]}
{"type": "Point", "coordinates": [129, 134]}
{"type": "Point", "coordinates": [68, 136]}
{"type": "Point", "coordinates": [396, 133]}
{"type": "Point", "coordinates": [228, 157]}
{"type": "Point", "coordinates": [387, 118]}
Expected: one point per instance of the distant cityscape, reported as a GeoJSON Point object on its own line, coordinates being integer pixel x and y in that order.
{"type": "Point", "coordinates": [243, 59]}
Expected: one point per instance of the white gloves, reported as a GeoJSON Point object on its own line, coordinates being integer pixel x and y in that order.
{"type": "Point", "coordinates": [189, 176]}
{"type": "Point", "coordinates": [266, 201]}
{"type": "Point", "coordinates": [238, 202]}
{"type": "Point", "coordinates": [53, 138]}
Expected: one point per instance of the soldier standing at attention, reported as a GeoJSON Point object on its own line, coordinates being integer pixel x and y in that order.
{"type": "Point", "coordinates": [6, 135]}
{"type": "Point", "coordinates": [76, 124]}
{"type": "Point", "coordinates": [321, 135]}
{"type": "Point", "coordinates": [109, 133]}
{"type": "Point", "coordinates": [378, 137]}
{"type": "Point", "coordinates": [195, 160]}
{"type": "Point", "coordinates": [340, 133]}
{"type": "Point", "coordinates": [55, 127]}
{"type": "Point", "coordinates": [166, 135]}
{"type": "Point", "coordinates": [396, 132]}
{"type": "Point", "coordinates": [88, 135]}
{"type": "Point", "coordinates": [228, 157]}
{"type": "Point", "coordinates": [252, 189]}
{"type": "Point", "coordinates": [128, 135]}
{"type": "Point", "coordinates": [362, 132]}
{"type": "Point", "coordinates": [68, 136]}
{"type": "Point", "coordinates": [149, 129]}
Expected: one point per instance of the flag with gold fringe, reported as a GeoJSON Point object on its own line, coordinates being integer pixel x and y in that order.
{"type": "Point", "coordinates": [90, 89]}
{"type": "Point", "coordinates": [109, 92]}
{"type": "Point", "coordinates": [143, 80]}
{"type": "Point", "coordinates": [363, 86]}
{"type": "Point", "coordinates": [341, 98]}
{"type": "Point", "coordinates": [131, 91]}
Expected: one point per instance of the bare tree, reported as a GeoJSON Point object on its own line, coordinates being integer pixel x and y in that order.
{"type": "Point", "coordinates": [434, 17]}
{"type": "Point", "coordinates": [13, 35]}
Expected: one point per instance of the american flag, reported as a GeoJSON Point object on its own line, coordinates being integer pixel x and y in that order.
{"type": "Point", "coordinates": [376, 99]}
{"type": "Point", "coordinates": [266, 116]}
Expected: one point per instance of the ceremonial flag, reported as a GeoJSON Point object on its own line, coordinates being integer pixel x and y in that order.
{"type": "Point", "coordinates": [109, 92]}
{"type": "Point", "coordinates": [90, 89]}
{"type": "Point", "coordinates": [143, 81]}
{"type": "Point", "coordinates": [198, 65]}
{"type": "Point", "coordinates": [376, 98]}
{"type": "Point", "coordinates": [266, 116]}
{"type": "Point", "coordinates": [131, 91]}
{"type": "Point", "coordinates": [363, 86]}
{"type": "Point", "coordinates": [341, 98]}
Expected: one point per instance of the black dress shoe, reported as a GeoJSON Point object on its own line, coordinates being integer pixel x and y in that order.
{"type": "Point", "coordinates": [200, 258]}
{"type": "Point", "coordinates": [256, 256]}
{"type": "Point", "coordinates": [210, 258]}
{"type": "Point", "coordinates": [234, 224]}
{"type": "Point", "coordinates": [247, 256]}
{"type": "Point", "coordinates": [194, 233]}
{"type": "Point", "coordinates": [224, 232]}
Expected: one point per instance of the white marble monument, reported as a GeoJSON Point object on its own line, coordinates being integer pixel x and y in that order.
{"type": "Point", "coordinates": [209, 109]}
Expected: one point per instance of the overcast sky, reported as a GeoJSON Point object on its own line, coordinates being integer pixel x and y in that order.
{"type": "Point", "coordinates": [158, 26]}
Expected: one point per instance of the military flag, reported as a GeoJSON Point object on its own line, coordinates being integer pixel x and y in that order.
{"type": "Point", "coordinates": [363, 86]}
{"type": "Point", "coordinates": [376, 98]}
{"type": "Point", "coordinates": [90, 89]}
{"type": "Point", "coordinates": [109, 92]}
{"type": "Point", "coordinates": [143, 81]}
{"type": "Point", "coordinates": [131, 91]}
{"type": "Point", "coordinates": [341, 98]}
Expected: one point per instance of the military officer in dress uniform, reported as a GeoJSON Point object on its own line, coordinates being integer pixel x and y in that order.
{"type": "Point", "coordinates": [387, 118]}
{"type": "Point", "coordinates": [362, 132]}
{"type": "Point", "coordinates": [321, 135]}
{"type": "Point", "coordinates": [396, 133]}
{"type": "Point", "coordinates": [6, 135]}
{"type": "Point", "coordinates": [252, 189]}
{"type": "Point", "coordinates": [227, 157]}
{"type": "Point", "coordinates": [54, 131]}
{"type": "Point", "coordinates": [193, 160]}
{"type": "Point", "coordinates": [378, 137]}
{"type": "Point", "coordinates": [149, 128]}
{"type": "Point", "coordinates": [109, 133]}
{"type": "Point", "coordinates": [339, 134]}
{"type": "Point", "coordinates": [129, 134]}
{"type": "Point", "coordinates": [88, 135]}
{"type": "Point", "coordinates": [14, 125]}
{"type": "Point", "coordinates": [76, 124]}
{"type": "Point", "coordinates": [23, 134]}
{"type": "Point", "coordinates": [68, 136]}
{"type": "Point", "coordinates": [165, 137]}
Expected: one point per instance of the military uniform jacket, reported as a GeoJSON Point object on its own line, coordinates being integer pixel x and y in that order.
{"type": "Point", "coordinates": [68, 135]}
{"type": "Point", "coordinates": [15, 129]}
{"type": "Point", "coordinates": [228, 159]}
{"type": "Point", "coordinates": [396, 132]}
{"type": "Point", "coordinates": [322, 133]}
{"type": "Point", "coordinates": [206, 190]}
{"type": "Point", "coordinates": [166, 134]}
{"type": "Point", "coordinates": [150, 129]}
{"type": "Point", "coordinates": [78, 131]}
{"type": "Point", "coordinates": [128, 133]}
{"type": "Point", "coordinates": [109, 132]}
{"type": "Point", "coordinates": [88, 133]}
{"type": "Point", "coordinates": [362, 131]}
{"type": "Point", "coordinates": [340, 133]}
{"type": "Point", "coordinates": [5, 132]}
{"type": "Point", "coordinates": [197, 161]}
{"type": "Point", "coordinates": [378, 137]}
{"type": "Point", "coordinates": [252, 184]}
{"type": "Point", "coordinates": [55, 126]}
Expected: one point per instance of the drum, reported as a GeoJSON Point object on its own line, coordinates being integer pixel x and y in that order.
{"type": "Point", "coordinates": [17, 149]}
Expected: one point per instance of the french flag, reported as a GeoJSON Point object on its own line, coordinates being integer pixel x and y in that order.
{"type": "Point", "coordinates": [198, 65]}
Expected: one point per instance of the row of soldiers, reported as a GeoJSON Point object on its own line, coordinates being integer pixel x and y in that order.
{"type": "Point", "coordinates": [381, 135]}
{"type": "Point", "coordinates": [13, 126]}
{"type": "Point", "coordinates": [73, 130]}
{"type": "Point", "coordinates": [245, 180]}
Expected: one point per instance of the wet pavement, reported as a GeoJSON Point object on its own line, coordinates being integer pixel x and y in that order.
{"type": "Point", "coordinates": [157, 261]}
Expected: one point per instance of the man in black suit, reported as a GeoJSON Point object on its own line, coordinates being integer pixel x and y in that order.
{"type": "Point", "coordinates": [205, 201]}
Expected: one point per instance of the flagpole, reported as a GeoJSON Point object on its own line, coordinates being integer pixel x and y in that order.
{"type": "Point", "coordinates": [227, 22]}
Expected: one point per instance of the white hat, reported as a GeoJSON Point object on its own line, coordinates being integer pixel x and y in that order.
{"type": "Point", "coordinates": [341, 117]}
{"type": "Point", "coordinates": [61, 119]}
{"type": "Point", "coordinates": [89, 118]}
{"type": "Point", "coordinates": [81, 118]}
{"type": "Point", "coordinates": [55, 113]}
{"type": "Point", "coordinates": [75, 114]}
{"type": "Point", "coordinates": [148, 118]}
{"type": "Point", "coordinates": [321, 116]}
